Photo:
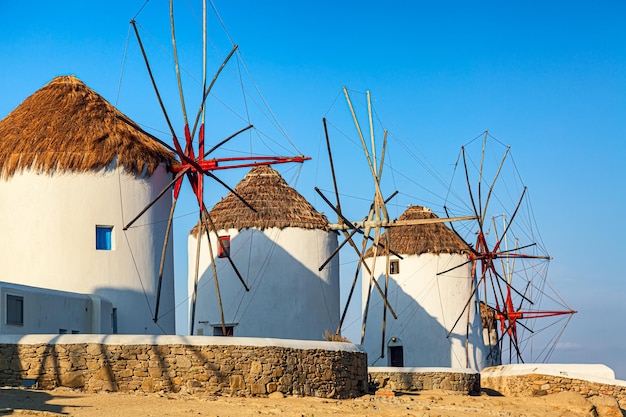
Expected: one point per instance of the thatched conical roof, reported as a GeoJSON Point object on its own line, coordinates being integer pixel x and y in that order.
{"type": "Point", "coordinates": [432, 238]}
{"type": "Point", "coordinates": [276, 204]}
{"type": "Point", "coordinates": [67, 127]}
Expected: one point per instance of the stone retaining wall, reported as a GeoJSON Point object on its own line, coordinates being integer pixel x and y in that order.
{"type": "Point", "coordinates": [538, 384]}
{"type": "Point", "coordinates": [194, 364]}
{"type": "Point", "coordinates": [418, 379]}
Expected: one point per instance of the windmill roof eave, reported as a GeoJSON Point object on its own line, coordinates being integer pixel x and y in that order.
{"type": "Point", "coordinates": [434, 238]}
{"type": "Point", "coordinates": [277, 205]}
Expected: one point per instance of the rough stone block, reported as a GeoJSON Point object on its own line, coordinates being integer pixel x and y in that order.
{"type": "Point", "coordinates": [73, 379]}
{"type": "Point", "coordinates": [236, 383]}
{"type": "Point", "coordinates": [258, 389]}
{"type": "Point", "coordinates": [227, 367]}
{"type": "Point", "coordinates": [256, 367]}
{"type": "Point", "coordinates": [327, 375]}
{"type": "Point", "coordinates": [192, 383]}
{"type": "Point", "coordinates": [147, 385]}
{"type": "Point", "coordinates": [202, 377]}
{"type": "Point", "coordinates": [183, 362]}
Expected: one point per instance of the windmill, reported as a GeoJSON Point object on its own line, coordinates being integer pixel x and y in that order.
{"type": "Point", "coordinates": [507, 256]}
{"type": "Point", "coordinates": [279, 246]}
{"type": "Point", "coordinates": [193, 162]}
{"type": "Point", "coordinates": [375, 222]}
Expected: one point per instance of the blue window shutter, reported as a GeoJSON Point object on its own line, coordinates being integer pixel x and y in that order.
{"type": "Point", "coordinates": [104, 237]}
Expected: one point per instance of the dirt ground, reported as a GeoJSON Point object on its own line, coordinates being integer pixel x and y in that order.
{"type": "Point", "coordinates": [18, 401]}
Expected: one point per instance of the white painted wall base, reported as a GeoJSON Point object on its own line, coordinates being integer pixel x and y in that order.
{"type": "Point", "coordinates": [48, 311]}
{"type": "Point", "coordinates": [288, 298]}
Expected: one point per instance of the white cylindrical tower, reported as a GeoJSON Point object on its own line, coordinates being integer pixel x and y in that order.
{"type": "Point", "coordinates": [427, 304]}
{"type": "Point", "coordinates": [278, 249]}
{"type": "Point", "coordinates": [72, 174]}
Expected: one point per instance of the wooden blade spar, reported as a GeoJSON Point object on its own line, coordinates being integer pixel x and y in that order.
{"type": "Point", "coordinates": [168, 230]}
{"type": "Point", "coordinates": [177, 67]}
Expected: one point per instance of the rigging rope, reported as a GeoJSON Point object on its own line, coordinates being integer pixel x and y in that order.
{"type": "Point", "coordinates": [119, 85]}
{"type": "Point", "coordinates": [140, 9]}
{"type": "Point", "coordinates": [138, 274]}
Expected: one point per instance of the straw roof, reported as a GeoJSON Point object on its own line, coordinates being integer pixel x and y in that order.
{"type": "Point", "coordinates": [432, 238]}
{"type": "Point", "coordinates": [65, 126]}
{"type": "Point", "coordinates": [276, 204]}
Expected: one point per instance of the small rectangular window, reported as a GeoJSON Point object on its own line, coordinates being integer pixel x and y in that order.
{"type": "Point", "coordinates": [104, 237]}
{"type": "Point", "coordinates": [217, 331]}
{"type": "Point", "coordinates": [224, 247]}
{"type": "Point", "coordinates": [15, 310]}
{"type": "Point", "coordinates": [394, 266]}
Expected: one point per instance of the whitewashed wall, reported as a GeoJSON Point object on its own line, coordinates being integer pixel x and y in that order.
{"type": "Point", "coordinates": [51, 311]}
{"type": "Point", "coordinates": [427, 306]}
{"type": "Point", "coordinates": [289, 298]}
{"type": "Point", "coordinates": [48, 240]}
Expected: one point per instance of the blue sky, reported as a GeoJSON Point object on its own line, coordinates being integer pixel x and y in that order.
{"type": "Point", "coordinates": [549, 80]}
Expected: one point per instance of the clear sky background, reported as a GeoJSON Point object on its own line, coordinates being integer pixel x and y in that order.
{"type": "Point", "coordinates": [547, 79]}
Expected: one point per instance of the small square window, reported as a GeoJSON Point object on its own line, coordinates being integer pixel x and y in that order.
{"type": "Point", "coordinates": [394, 266]}
{"type": "Point", "coordinates": [15, 310]}
{"type": "Point", "coordinates": [104, 237]}
{"type": "Point", "coordinates": [223, 250]}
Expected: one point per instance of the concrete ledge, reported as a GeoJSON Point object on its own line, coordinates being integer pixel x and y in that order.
{"type": "Point", "coordinates": [536, 380]}
{"type": "Point", "coordinates": [461, 380]}
{"type": "Point", "coordinates": [193, 364]}
{"type": "Point", "coordinates": [423, 369]}
{"type": "Point", "coordinates": [158, 340]}
{"type": "Point", "coordinates": [588, 372]}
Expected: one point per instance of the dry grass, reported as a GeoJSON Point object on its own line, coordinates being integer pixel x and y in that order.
{"type": "Point", "coordinates": [332, 337]}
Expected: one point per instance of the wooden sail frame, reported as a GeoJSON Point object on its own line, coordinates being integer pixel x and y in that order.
{"type": "Point", "coordinates": [377, 221]}
{"type": "Point", "coordinates": [497, 282]}
{"type": "Point", "coordinates": [194, 165]}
